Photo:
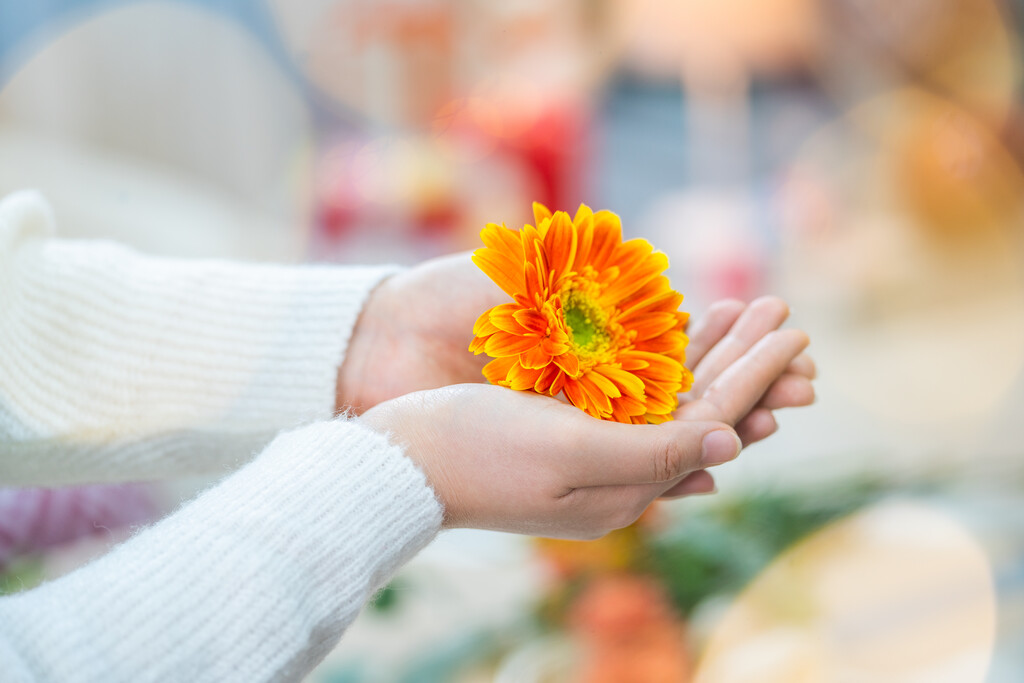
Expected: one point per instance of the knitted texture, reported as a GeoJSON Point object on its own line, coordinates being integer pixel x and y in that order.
{"type": "Point", "coordinates": [255, 580]}
{"type": "Point", "coordinates": [119, 366]}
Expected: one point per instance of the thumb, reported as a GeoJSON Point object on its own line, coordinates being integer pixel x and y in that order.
{"type": "Point", "coordinates": [610, 453]}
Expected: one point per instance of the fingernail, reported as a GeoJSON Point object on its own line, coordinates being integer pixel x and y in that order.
{"type": "Point", "coordinates": [718, 447]}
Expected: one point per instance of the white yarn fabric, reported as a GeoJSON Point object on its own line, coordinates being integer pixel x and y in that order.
{"type": "Point", "coordinates": [115, 366]}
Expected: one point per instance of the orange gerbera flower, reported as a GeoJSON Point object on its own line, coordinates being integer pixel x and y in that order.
{"type": "Point", "coordinates": [592, 316]}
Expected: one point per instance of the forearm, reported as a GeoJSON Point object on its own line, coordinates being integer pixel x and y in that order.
{"type": "Point", "coordinates": [255, 580]}
{"type": "Point", "coordinates": [114, 365]}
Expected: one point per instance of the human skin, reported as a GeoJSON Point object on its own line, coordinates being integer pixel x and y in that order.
{"type": "Point", "coordinates": [516, 461]}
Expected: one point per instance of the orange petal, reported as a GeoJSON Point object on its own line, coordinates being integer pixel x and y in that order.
{"type": "Point", "coordinates": [632, 279]}
{"type": "Point", "coordinates": [534, 288]}
{"type": "Point", "coordinates": [628, 383]}
{"type": "Point", "coordinates": [546, 379]}
{"type": "Point", "coordinates": [658, 399]}
{"type": "Point", "coordinates": [558, 383]}
{"type": "Point", "coordinates": [687, 382]}
{"type": "Point", "coordinates": [569, 363]}
{"type": "Point", "coordinates": [521, 378]}
{"type": "Point", "coordinates": [660, 368]}
{"type": "Point", "coordinates": [483, 325]}
{"type": "Point", "coordinates": [632, 363]}
{"type": "Point", "coordinates": [496, 371]}
{"type": "Point", "coordinates": [553, 347]}
{"type": "Point", "coordinates": [501, 344]}
{"type": "Point", "coordinates": [501, 268]}
{"type": "Point", "coordinates": [630, 406]}
{"type": "Point", "coordinates": [672, 343]}
{"type": "Point", "coordinates": [596, 397]}
{"type": "Point", "coordinates": [620, 415]}
{"type": "Point", "coordinates": [657, 419]}
{"type": "Point", "coordinates": [560, 244]}
{"type": "Point", "coordinates": [584, 224]}
{"type": "Point", "coordinates": [651, 325]}
{"type": "Point", "coordinates": [575, 394]}
{"type": "Point", "coordinates": [656, 295]}
{"type": "Point", "coordinates": [532, 320]}
{"type": "Point", "coordinates": [477, 345]}
{"type": "Point", "coordinates": [584, 213]}
{"type": "Point", "coordinates": [540, 213]}
{"type": "Point", "coordinates": [606, 386]}
{"type": "Point", "coordinates": [535, 358]}
{"type": "Point", "coordinates": [503, 240]}
{"type": "Point", "coordinates": [607, 235]}
{"type": "Point", "coordinates": [503, 318]}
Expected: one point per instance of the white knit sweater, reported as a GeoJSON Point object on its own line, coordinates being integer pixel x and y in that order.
{"type": "Point", "coordinates": [117, 366]}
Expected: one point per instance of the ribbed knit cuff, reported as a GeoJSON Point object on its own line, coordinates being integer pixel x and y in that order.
{"type": "Point", "coordinates": [255, 580]}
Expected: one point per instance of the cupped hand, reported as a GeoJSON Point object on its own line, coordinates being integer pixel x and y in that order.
{"type": "Point", "coordinates": [515, 461]}
{"type": "Point", "coordinates": [525, 463]}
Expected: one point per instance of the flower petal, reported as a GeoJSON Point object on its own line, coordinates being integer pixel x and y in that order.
{"type": "Point", "coordinates": [569, 363]}
{"type": "Point", "coordinates": [502, 344]}
{"type": "Point", "coordinates": [660, 368]}
{"type": "Point", "coordinates": [483, 325]}
{"type": "Point", "coordinates": [503, 318]}
{"type": "Point", "coordinates": [540, 213]}
{"type": "Point", "coordinates": [532, 320]}
{"type": "Point", "coordinates": [633, 277]}
{"type": "Point", "coordinates": [535, 358]}
{"type": "Point", "coordinates": [627, 383]}
{"type": "Point", "coordinates": [595, 394]}
{"type": "Point", "coordinates": [501, 268]}
{"type": "Point", "coordinates": [478, 345]}
{"type": "Point", "coordinates": [496, 371]}
{"type": "Point", "coordinates": [521, 378]}
{"type": "Point", "coordinates": [546, 379]}
{"type": "Point", "coordinates": [560, 244]}
{"type": "Point", "coordinates": [651, 325]}
{"type": "Point", "coordinates": [607, 235]}
{"type": "Point", "coordinates": [606, 386]}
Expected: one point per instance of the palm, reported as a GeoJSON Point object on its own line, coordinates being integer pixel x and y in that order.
{"type": "Point", "coordinates": [422, 322]}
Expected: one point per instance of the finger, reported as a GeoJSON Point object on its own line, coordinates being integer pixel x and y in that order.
{"type": "Point", "coordinates": [761, 317]}
{"type": "Point", "coordinates": [612, 454]}
{"type": "Point", "coordinates": [615, 507]}
{"type": "Point", "coordinates": [759, 424]}
{"type": "Point", "coordinates": [803, 365]}
{"type": "Point", "coordinates": [696, 483]}
{"type": "Point", "coordinates": [788, 391]}
{"type": "Point", "coordinates": [710, 329]}
{"type": "Point", "coordinates": [739, 388]}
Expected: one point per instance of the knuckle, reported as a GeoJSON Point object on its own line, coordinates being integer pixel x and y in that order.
{"type": "Point", "coordinates": [668, 460]}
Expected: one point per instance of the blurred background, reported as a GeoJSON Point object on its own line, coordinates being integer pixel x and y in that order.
{"type": "Point", "coordinates": [861, 158]}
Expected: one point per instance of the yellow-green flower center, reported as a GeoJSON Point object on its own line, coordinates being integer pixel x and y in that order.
{"type": "Point", "coordinates": [587, 323]}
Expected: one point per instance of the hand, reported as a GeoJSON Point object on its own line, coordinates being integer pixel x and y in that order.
{"type": "Point", "coordinates": [414, 333]}
{"type": "Point", "coordinates": [415, 330]}
{"type": "Point", "coordinates": [728, 330]}
{"type": "Point", "coordinates": [516, 461]}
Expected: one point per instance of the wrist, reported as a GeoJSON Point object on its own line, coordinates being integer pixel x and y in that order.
{"type": "Point", "coordinates": [369, 334]}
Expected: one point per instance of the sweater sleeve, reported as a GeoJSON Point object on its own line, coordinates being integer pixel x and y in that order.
{"type": "Point", "coordinates": [255, 580]}
{"type": "Point", "coordinates": [119, 366]}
